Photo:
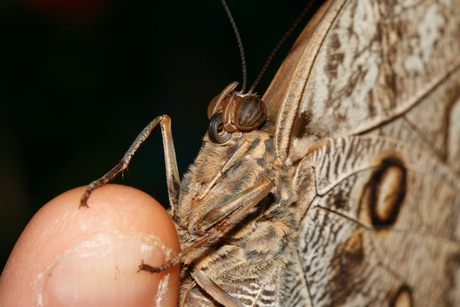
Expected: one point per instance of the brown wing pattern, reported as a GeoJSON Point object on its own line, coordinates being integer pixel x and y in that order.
{"type": "Point", "coordinates": [379, 202]}
{"type": "Point", "coordinates": [369, 63]}
{"type": "Point", "coordinates": [384, 217]}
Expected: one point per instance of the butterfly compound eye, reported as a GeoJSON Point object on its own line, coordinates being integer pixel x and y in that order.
{"type": "Point", "coordinates": [249, 113]}
{"type": "Point", "coordinates": [216, 130]}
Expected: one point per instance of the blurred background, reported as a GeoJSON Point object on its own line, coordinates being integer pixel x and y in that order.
{"type": "Point", "coordinates": [79, 79]}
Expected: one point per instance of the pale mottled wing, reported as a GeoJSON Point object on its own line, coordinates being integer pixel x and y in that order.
{"type": "Point", "coordinates": [368, 66]}
{"type": "Point", "coordinates": [378, 215]}
{"type": "Point", "coordinates": [383, 225]}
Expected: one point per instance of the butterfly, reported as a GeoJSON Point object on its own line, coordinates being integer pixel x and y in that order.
{"type": "Point", "coordinates": [341, 186]}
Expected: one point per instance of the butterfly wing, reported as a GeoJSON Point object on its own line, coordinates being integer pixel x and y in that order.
{"type": "Point", "coordinates": [382, 224]}
{"type": "Point", "coordinates": [379, 205]}
{"type": "Point", "coordinates": [376, 67]}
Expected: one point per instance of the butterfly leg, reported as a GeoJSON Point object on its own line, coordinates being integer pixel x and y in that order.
{"type": "Point", "coordinates": [214, 290]}
{"type": "Point", "coordinates": [218, 223]}
{"type": "Point", "coordinates": [172, 173]}
{"type": "Point", "coordinates": [235, 210]}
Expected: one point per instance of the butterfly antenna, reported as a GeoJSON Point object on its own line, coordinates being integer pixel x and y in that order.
{"type": "Point", "coordinates": [280, 43]}
{"type": "Point", "coordinates": [240, 45]}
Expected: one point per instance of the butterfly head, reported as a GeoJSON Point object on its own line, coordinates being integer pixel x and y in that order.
{"type": "Point", "coordinates": [232, 111]}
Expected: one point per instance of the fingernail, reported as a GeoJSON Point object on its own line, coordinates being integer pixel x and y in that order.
{"type": "Point", "coordinates": [104, 272]}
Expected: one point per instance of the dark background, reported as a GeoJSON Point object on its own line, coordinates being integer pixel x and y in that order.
{"type": "Point", "coordinates": [79, 79]}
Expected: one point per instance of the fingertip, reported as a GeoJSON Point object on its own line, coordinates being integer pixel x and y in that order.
{"type": "Point", "coordinates": [89, 256]}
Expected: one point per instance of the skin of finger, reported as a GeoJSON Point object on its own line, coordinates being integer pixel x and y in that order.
{"type": "Point", "coordinates": [62, 224]}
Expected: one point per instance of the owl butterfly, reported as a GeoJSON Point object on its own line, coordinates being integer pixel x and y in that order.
{"type": "Point", "coordinates": [348, 193]}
